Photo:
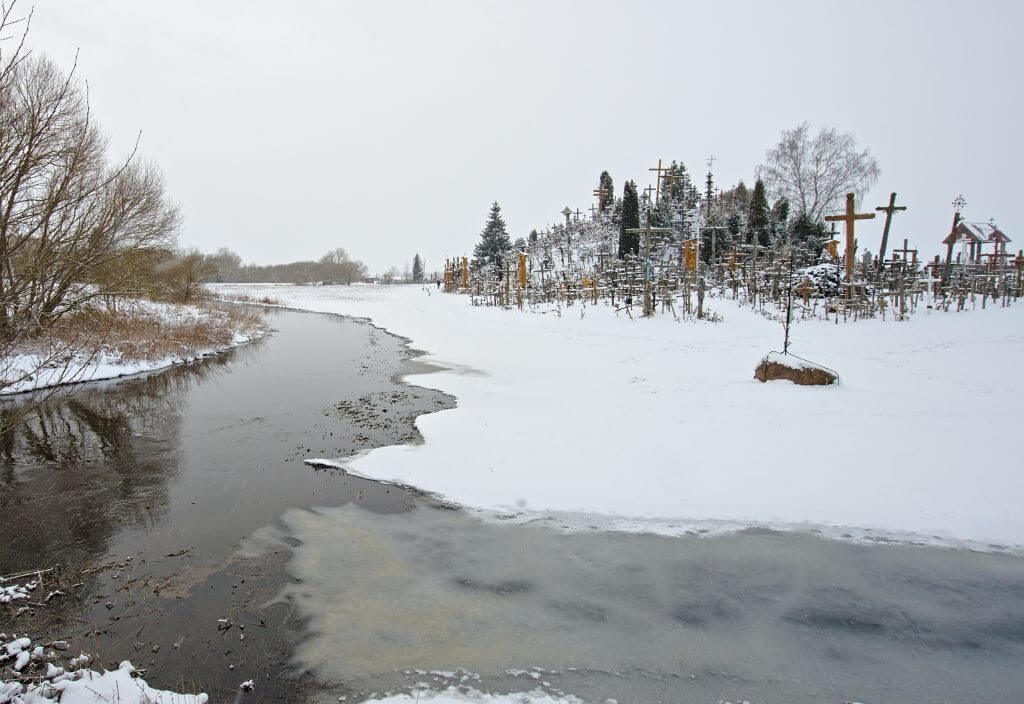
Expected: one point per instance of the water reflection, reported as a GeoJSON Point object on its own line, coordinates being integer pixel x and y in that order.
{"type": "Point", "coordinates": [90, 461]}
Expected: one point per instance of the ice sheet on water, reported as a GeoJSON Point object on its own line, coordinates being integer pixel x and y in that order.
{"type": "Point", "coordinates": [456, 695]}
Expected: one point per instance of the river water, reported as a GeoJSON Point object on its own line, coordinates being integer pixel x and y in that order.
{"type": "Point", "coordinates": [176, 500]}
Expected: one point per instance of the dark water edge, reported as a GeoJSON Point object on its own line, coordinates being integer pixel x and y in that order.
{"type": "Point", "coordinates": [139, 491]}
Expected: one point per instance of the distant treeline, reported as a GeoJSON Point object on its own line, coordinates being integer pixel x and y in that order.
{"type": "Point", "coordinates": [225, 266]}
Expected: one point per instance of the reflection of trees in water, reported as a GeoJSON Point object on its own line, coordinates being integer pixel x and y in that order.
{"type": "Point", "coordinates": [84, 463]}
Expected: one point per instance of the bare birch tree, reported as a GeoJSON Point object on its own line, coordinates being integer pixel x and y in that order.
{"type": "Point", "coordinates": [814, 172]}
{"type": "Point", "coordinates": [68, 215]}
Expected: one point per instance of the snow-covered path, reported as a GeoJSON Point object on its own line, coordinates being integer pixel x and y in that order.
{"type": "Point", "coordinates": [654, 425]}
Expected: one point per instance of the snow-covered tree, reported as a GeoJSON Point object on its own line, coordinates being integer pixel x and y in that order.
{"type": "Point", "coordinates": [607, 198]}
{"type": "Point", "coordinates": [417, 269]}
{"type": "Point", "coordinates": [814, 172]}
{"type": "Point", "coordinates": [494, 244]}
{"type": "Point", "coordinates": [759, 217]}
{"type": "Point", "coordinates": [629, 242]}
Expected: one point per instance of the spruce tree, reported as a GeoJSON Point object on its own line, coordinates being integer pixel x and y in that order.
{"type": "Point", "coordinates": [494, 244]}
{"type": "Point", "coordinates": [629, 242]}
{"type": "Point", "coordinates": [417, 269]}
{"type": "Point", "coordinates": [608, 196]}
{"type": "Point", "coordinates": [780, 221]}
{"type": "Point", "coordinates": [809, 235]}
{"type": "Point", "coordinates": [759, 217]}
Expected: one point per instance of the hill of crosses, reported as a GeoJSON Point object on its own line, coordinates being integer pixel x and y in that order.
{"type": "Point", "coordinates": [674, 248]}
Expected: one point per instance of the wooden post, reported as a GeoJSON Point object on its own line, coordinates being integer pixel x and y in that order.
{"type": "Point", "coordinates": [648, 308]}
{"type": "Point", "coordinates": [700, 298]}
{"type": "Point", "coordinates": [849, 218]}
{"type": "Point", "coordinates": [1019, 261]}
{"type": "Point", "coordinates": [889, 210]}
{"type": "Point", "coordinates": [465, 272]}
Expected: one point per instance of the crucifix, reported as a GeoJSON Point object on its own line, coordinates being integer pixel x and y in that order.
{"type": "Point", "coordinates": [889, 210]}
{"type": "Point", "coordinates": [805, 290]}
{"type": "Point", "coordinates": [647, 192]}
{"type": "Point", "coordinates": [593, 212]}
{"type": "Point", "coordinates": [578, 213]}
{"type": "Point", "coordinates": [567, 213]}
{"type": "Point", "coordinates": [906, 255]}
{"type": "Point", "coordinates": [659, 168]}
{"type": "Point", "coordinates": [647, 231]}
{"type": "Point", "coordinates": [849, 217]}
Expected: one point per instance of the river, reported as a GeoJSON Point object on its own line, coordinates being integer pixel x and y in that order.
{"type": "Point", "coordinates": [194, 541]}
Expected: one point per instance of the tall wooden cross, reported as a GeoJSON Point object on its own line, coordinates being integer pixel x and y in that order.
{"type": "Point", "coordinates": [849, 217]}
{"type": "Point", "coordinates": [659, 168]}
{"type": "Point", "coordinates": [889, 210]}
{"type": "Point", "coordinates": [567, 213]}
{"type": "Point", "coordinates": [958, 204]}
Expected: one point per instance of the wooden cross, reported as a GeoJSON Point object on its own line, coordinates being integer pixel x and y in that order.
{"type": "Point", "coordinates": [958, 204]}
{"type": "Point", "coordinates": [647, 192]}
{"type": "Point", "coordinates": [906, 252]}
{"type": "Point", "coordinates": [659, 169]}
{"type": "Point", "coordinates": [578, 213]}
{"type": "Point", "coordinates": [805, 289]}
{"type": "Point", "coordinates": [567, 213]}
{"type": "Point", "coordinates": [601, 192]}
{"type": "Point", "coordinates": [889, 210]}
{"type": "Point", "coordinates": [849, 217]}
{"type": "Point", "coordinates": [593, 212]}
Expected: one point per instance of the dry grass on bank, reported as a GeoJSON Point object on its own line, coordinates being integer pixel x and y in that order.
{"type": "Point", "coordinates": [140, 330]}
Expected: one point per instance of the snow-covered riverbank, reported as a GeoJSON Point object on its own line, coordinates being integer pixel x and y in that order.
{"type": "Point", "coordinates": [171, 334]}
{"type": "Point", "coordinates": [601, 422]}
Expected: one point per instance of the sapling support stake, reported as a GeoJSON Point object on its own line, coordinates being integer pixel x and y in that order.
{"type": "Point", "coordinates": [789, 305]}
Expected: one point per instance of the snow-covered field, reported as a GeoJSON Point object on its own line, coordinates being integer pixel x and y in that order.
{"type": "Point", "coordinates": [589, 420]}
{"type": "Point", "coordinates": [38, 369]}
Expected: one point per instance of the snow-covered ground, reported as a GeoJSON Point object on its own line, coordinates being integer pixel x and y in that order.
{"type": "Point", "coordinates": [36, 678]}
{"type": "Point", "coordinates": [589, 420]}
{"type": "Point", "coordinates": [34, 370]}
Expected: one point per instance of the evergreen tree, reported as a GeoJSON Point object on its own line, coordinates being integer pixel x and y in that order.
{"type": "Point", "coordinates": [759, 217]}
{"type": "Point", "coordinates": [780, 224]}
{"type": "Point", "coordinates": [741, 196]}
{"type": "Point", "coordinates": [809, 235]}
{"type": "Point", "coordinates": [629, 242]}
{"type": "Point", "coordinates": [417, 269]}
{"type": "Point", "coordinates": [494, 242]}
{"type": "Point", "coordinates": [608, 197]}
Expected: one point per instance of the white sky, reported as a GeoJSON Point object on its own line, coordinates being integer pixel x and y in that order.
{"type": "Point", "coordinates": [287, 129]}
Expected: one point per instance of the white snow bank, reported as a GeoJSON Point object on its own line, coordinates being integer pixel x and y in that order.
{"type": "Point", "coordinates": [120, 686]}
{"type": "Point", "coordinates": [110, 363]}
{"type": "Point", "coordinates": [644, 425]}
{"type": "Point", "coordinates": [75, 684]}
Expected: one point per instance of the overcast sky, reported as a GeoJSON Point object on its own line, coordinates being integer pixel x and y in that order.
{"type": "Point", "coordinates": [287, 129]}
